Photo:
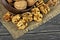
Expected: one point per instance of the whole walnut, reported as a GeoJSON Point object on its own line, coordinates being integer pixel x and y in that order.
{"type": "Point", "coordinates": [31, 2]}
{"type": "Point", "coordinates": [20, 5]}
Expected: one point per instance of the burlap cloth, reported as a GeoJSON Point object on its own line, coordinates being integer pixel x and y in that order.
{"type": "Point", "coordinates": [18, 33]}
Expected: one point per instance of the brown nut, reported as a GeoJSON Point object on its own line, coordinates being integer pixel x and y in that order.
{"type": "Point", "coordinates": [18, 0]}
{"type": "Point", "coordinates": [37, 16]}
{"type": "Point", "coordinates": [7, 16]}
{"type": "Point", "coordinates": [22, 25]}
{"type": "Point", "coordinates": [20, 5]}
{"type": "Point", "coordinates": [44, 8]}
{"type": "Point", "coordinates": [16, 18]}
{"type": "Point", "coordinates": [30, 2]}
{"type": "Point", "coordinates": [39, 2]}
{"type": "Point", "coordinates": [47, 7]}
{"type": "Point", "coordinates": [37, 19]}
{"type": "Point", "coordinates": [52, 2]}
{"type": "Point", "coordinates": [27, 16]}
{"type": "Point", "coordinates": [34, 10]}
{"type": "Point", "coordinates": [10, 1]}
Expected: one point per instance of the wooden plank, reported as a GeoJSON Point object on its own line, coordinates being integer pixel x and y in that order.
{"type": "Point", "coordinates": [2, 28]}
{"type": "Point", "coordinates": [48, 27]}
{"type": "Point", "coordinates": [6, 38]}
{"type": "Point", "coordinates": [41, 36]}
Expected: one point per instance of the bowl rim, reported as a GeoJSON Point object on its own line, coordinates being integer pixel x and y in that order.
{"type": "Point", "coordinates": [12, 9]}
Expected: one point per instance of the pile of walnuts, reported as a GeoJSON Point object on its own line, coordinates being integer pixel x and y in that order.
{"type": "Point", "coordinates": [36, 14]}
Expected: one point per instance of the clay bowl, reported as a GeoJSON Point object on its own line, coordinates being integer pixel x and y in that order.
{"type": "Point", "coordinates": [12, 9]}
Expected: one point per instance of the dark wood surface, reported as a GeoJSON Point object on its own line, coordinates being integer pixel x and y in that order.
{"type": "Point", "coordinates": [47, 31]}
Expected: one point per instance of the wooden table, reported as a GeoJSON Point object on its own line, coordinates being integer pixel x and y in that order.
{"type": "Point", "coordinates": [47, 31]}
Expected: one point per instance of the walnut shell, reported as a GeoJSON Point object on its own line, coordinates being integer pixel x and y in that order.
{"type": "Point", "coordinates": [31, 2]}
{"type": "Point", "coordinates": [10, 1]}
{"type": "Point", "coordinates": [20, 5]}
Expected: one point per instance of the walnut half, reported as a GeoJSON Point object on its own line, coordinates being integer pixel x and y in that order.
{"type": "Point", "coordinates": [7, 17]}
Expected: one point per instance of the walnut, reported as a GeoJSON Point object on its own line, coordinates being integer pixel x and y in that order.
{"type": "Point", "coordinates": [27, 16]}
{"type": "Point", "coordinates": [52, 2]}
{"type": "Point", "coordinates": [20, 5]}
{"type": "Point", "coordinates": [10, 1]}
{"type": "Point", "coordinates": [35, 10]}
{"type": "Point", "coordinates": [44, 8]}
{"type": "Point", "coordinates": [18, 0]}
{"type": "Point", "coordinates": [16, 18]}
{"type": "Point", "coordinates": [7, 16]}
{"type": "Point", "coordinates": [22, 24]}
{"type": "Point", "coordinates": [39, 2]}
{"type": "Point", "coordinates": [37, 19]}
{"type": "Point", "coordinates": [31, 2]}
{"type": "Point", "coordinates": [47, 7]}
{"type": "Point", "coordinates": [37, 16]}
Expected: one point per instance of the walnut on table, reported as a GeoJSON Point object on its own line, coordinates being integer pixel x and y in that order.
{"type": "Point", "coordinates": [10, 1]}
{"type": "Point", "coordinates": [18, 0]}
{"type": "Point", "coordinates": [37, 16]}
{"type": "Point", "coordinates": [35, 10]}
{"type": "Point", "coordinates": [22, 24]}
{"type": "Point", "coordinates": [52, 2]}
{"type": "Point", "coordinates": [39, 2]}
{"type": "Point", "coordinates": [27, 16]}
{"type": "Point", "coordinates": [16, 18]}
{"type": "Point", "coordinates": [7, 17]}
{"type": "Point", "coordinates": [44, 8]}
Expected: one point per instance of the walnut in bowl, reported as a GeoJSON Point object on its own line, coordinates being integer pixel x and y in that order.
{"type": "Point", "coordinates": [13, 8]}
